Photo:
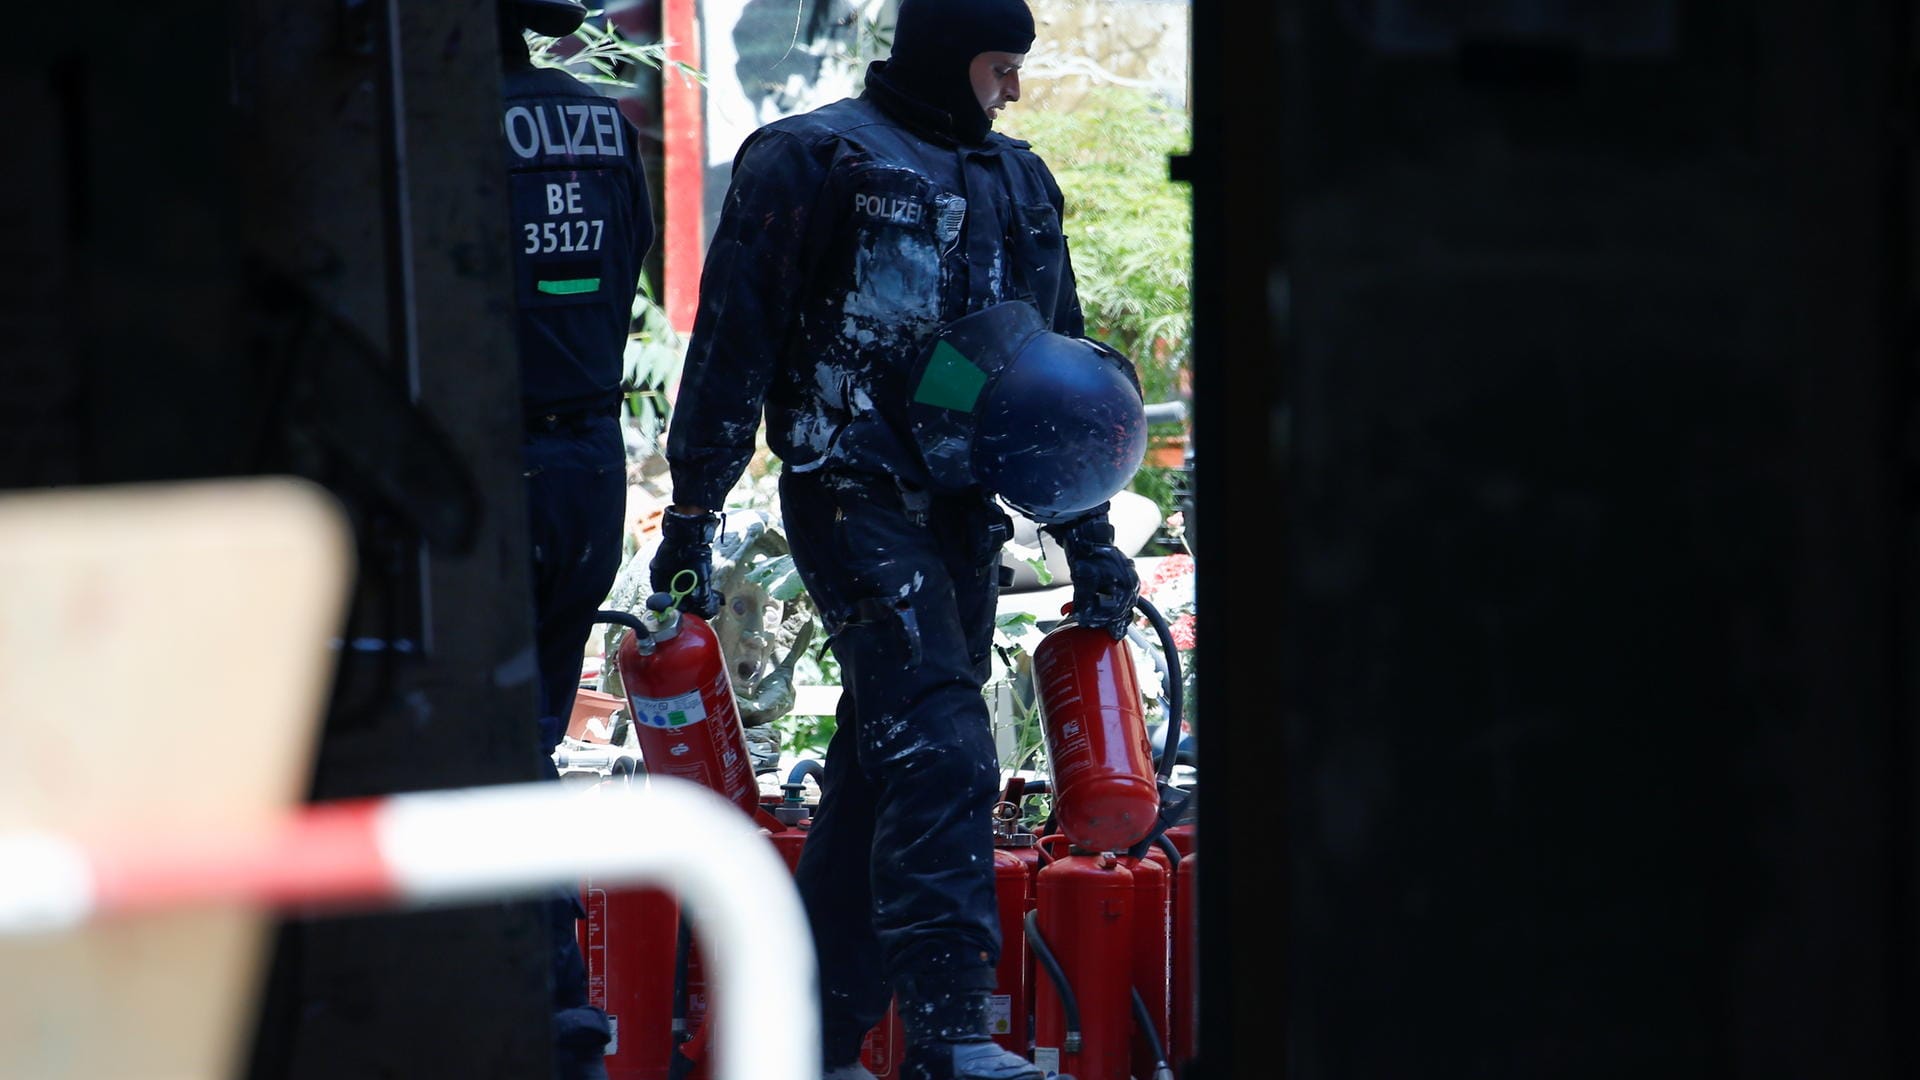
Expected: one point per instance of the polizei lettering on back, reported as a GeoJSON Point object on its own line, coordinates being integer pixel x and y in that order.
{"type": "Point", "coordinates": [556, 130]}
{"type": "Point", "coordinates": [888, 208]}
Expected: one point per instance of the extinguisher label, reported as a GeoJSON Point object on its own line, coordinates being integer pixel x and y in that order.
{"type": "Point", "coordinates": [695, 771]}
{"type": "Point", "coordinates": [1048, 1059]}
{"type": "Point", "coordinates": [596, 948]}
{"type": "Point", "coordinates": [1000, 1014]}
{"type": "Point", "coordinates": [1070, 754]}
{"type": "Point", "coordinates": [669, 713]}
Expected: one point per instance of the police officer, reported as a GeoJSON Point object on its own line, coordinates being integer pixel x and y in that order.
{"type": "Point", "coordinates": [582, 223]}
{"type": "Point", "coordinates": [851, 237]}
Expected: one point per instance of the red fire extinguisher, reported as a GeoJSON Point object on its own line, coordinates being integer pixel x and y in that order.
{"type": "Point", "coordinates": [1105, 796]}
{"type": "Point", "coordinates": [885, 1043]}
{"type": "Point", "coordinates": [1007, 1011]}
{"type": "Point", "coordinates": [680, 697]}
{"type": "Point", "coordinates": [1185, 945]}
{"type": "Point", "coordinates": [1152, 942]}
{"type": "Point", "coordinates": [1016, 866]}
{"type": "Point", "coordinates": [684, 716]}
{"type": "Point", "coordinates": [1102, 923]}
{"type": "Point", "coordinates": [1080, 932]}
{"type": "Point", "coordinates": [627, 940]}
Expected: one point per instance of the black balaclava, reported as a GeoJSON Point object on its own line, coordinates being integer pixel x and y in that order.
{"type": "Point", "coordinates": [934, 43]}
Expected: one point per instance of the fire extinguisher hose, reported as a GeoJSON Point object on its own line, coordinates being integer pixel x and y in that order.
{"type": "Point", "coordinates": [1170, 810]}
{"type": "Point", "coordinates": [1176, 705]}
{"type": "Point", "coordinates": [682, 956]}
{"type": "Point", "coordinates": [1144, 1021]}
{"type": "Point", "coordinates": [1069, 1004]}
{"type": "Point", "coordinates": [622, 618]}
{"type": "Point", "coordinates": [804, 768]}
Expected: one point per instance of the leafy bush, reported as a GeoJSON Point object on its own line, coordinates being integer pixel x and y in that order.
{"type": "Point", "coordinates": [1130, 231]}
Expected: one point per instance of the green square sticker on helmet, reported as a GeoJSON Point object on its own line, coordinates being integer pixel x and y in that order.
{"type": "Point", "coordinates": [1051, 423]}
{"type": "Point", "coordinates": [950, 380]}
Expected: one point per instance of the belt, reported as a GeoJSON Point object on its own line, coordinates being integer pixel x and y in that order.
{"type": "Point", "coordinates": [565, 421]}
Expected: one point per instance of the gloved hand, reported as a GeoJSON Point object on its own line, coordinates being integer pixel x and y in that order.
{"type": "Point", "coordinates": [686, 543]}
{"type": "Point", "coordinates": [1104, 581]}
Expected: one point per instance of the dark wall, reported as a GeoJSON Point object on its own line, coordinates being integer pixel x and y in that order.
{"type": "Point", "coordinates": [1575, 711]}
{"type": "Point", "coordinates": [240, 239]}
{"type": "Point", "coordinates": [111, 310]}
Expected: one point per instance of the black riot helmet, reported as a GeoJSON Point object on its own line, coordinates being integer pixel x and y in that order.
{"type": "Point", "coordinates": [1052, 424]}
{"type": "Point", "coordinates": [550, 18]}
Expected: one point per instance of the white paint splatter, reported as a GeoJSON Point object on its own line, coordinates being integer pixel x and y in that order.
{"type": "Point", "coordinates": [896, 277]}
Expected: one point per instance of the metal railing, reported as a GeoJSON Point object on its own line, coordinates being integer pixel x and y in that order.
{"type": "Point", "coordinates": [468, 844]}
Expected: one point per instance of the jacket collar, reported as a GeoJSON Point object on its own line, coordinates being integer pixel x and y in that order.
{"type": "Point", "coordinates": [931, 123]}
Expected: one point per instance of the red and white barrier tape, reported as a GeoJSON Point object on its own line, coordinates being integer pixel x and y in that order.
{"type": "Point", "coordinates": [470, 844]}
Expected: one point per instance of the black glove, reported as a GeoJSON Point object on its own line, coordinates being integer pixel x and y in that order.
{"type": "Point", "coordinates": [686, 544]}
{"type": "Point", "coordinates": [1104, 581]}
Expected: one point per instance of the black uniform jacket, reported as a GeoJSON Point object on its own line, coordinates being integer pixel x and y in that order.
{"type": "Point", "coordinates": [582, 224]}
{"type": "Point", "coordinates": [847, 239]}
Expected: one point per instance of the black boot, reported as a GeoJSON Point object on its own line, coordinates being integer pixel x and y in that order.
{"type": "Point", "coordinates": [945, 1017]}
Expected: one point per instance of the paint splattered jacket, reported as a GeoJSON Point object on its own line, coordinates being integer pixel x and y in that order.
{"type": "Point", "coordinates": [847, 239]}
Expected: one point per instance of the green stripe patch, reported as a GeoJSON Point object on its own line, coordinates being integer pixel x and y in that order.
{"type": "Point", "coordinates": [950, 381]}
{"type": "Point", "coordinates": [569, 287]}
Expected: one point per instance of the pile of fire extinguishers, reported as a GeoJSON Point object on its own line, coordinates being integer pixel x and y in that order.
{"type": "Point", "coordinates": [1096, 977]}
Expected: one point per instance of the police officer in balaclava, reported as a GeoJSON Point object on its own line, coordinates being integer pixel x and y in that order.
{"type": "Point", "coordinates": [849, 238]}
{"type": "Point", "coordinates": [582, 222]}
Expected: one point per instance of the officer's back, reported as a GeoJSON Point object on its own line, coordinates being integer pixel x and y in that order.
{"type": "Point", "coordinates": [582, 224]}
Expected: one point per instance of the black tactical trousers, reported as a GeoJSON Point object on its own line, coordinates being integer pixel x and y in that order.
{"type": "Point", "coordinates": [576, 507]}
{"type": "Point", "coordinates": [897, 873]}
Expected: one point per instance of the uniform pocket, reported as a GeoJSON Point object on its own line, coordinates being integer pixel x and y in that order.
{"type": "Point", "coordinates": [1039, 254]}
{"type": "Point", "coordinates": [894, 255]}
{"type": "Point", "coordinates": [992, 529]}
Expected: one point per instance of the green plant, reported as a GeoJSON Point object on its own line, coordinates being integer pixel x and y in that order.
{"type": "Point", "coordinates": [1013, 633]}
{"type": "Point", "coordinates": [801, 735]}
{"type": "Point", "coordinates": [603, 55]}
{"type": "Point", "coordinates": [654, 354]}
{"type": "Point", "coordinates": [1162, 485]}
{"type": "Point", "coordinates": [1011, 701]}
{"type": "Point", "coordinates": [1131, 236]}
